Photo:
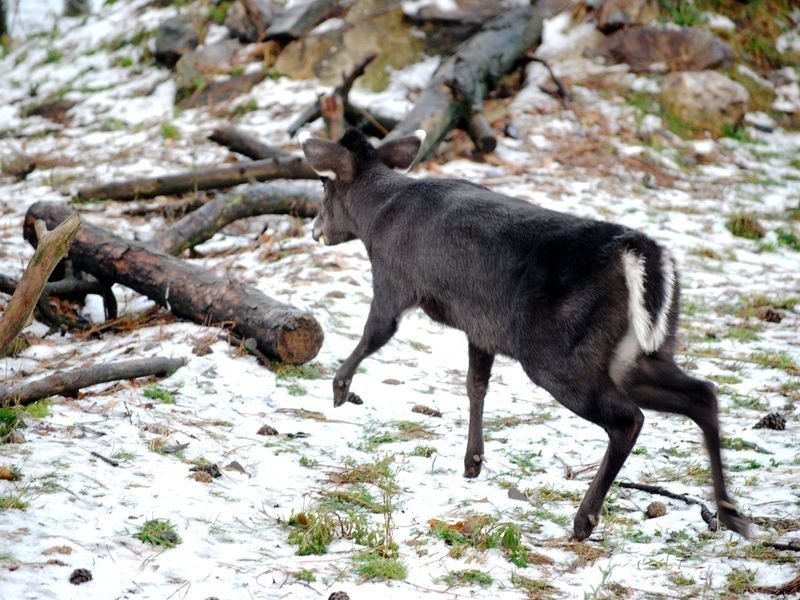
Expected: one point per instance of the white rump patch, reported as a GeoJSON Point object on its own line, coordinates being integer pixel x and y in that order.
{"type": "Point", "coordinates": [304, 136]}
{"type": "Point", "coordinates": [420, 135]}
{"type": "Point", "coordinates": [649, 334]}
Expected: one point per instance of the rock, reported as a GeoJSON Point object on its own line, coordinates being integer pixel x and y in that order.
{"type": "Point", "coordinates": [175, 37]}
{"type": "Point", "coordinates": [775, 421]}
{"type": "Point", "coordinates": [614, 14]}
{"type": "Point", "coordinates": [248, 20]}
{"type": "Point", "coordinates": [370, 26]}
{"type": "Point", "coordinates": [705, 100]}
{"type": "Point", "coordinates": [295, 21]}
{"type": "Point", "coordinates": [267, 430]}
{"type": "Point", "coordinates": [769, 314]}
{"type": "Point", "coordinates": [198, 65]}
{"type": "Point", "coordinates": [650, 48]}
{"type": "Point", "coordinates": [655, 510]}
{"type": "Point", "coordinates": [222, 92]}
{"type": "Point", "coordinates": [80, 576]}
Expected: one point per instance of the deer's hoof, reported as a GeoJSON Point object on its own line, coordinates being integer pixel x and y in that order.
{"type": "Point", "coordinates": [583, 526]}
{"type": "Point", "coordinates": [472, 465]}
{"type": "Point", "coordinates": [729, 516]}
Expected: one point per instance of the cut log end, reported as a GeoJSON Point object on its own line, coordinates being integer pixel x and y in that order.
{"type": "Point", "coordinates": [300, 340]}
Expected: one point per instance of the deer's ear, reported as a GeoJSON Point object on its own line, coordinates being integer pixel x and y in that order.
{"type": "Point", "coordinates": [401, 153]}
{"type": "Point", "coordinates": [327, 158]}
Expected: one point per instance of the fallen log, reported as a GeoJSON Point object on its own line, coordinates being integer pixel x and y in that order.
{"type": "Point", "coordinates": [201, 178]}
{"type": "Point", "coordinates": [70, 289]}
{"type": "Point", "coordinates": [456, 91]}
{"type": "Point", "coordinates": [53, 247]}
{"type": "Point", "coordinates": [281, 331]}
{"type": "Point", "coordinates": [240, 142]}
{"type": "Point", "coordinates": [66, 383]}
{"type": "Point", "coordinates": [272, 198]}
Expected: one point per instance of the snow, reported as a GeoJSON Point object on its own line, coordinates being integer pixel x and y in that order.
{"type": "Point", "coordinates": [234, 532]}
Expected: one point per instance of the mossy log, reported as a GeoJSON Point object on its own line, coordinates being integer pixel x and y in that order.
{"type": "Point", "coordinates": [454, 96]}
{"type": "Point", "coordinates": [281, 331]}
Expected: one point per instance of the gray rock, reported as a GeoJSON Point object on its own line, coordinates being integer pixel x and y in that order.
{"type": "Point", "coordinates": [651, 48]}
{"type": "Point", "coordinates": [204, 62]}
{"type": "Point", "coordinates": [175, 37]}
{"type": "Point", "coordinates": [614, 14]}
{"type": "Point", "coordinates": [248, 20]}
{"type": "Point", "coordinates": [706, 100]}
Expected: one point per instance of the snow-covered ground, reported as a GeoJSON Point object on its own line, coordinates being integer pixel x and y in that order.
{"type": "Point", "coordinates": [83, 513]}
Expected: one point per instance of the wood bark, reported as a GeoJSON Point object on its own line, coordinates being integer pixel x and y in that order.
{"type": "Point", "coordinates": [281, 331]}
{"type": "Point", "coordinates": [240, 142]}
{"type": "Point", "coordinates": [707, 516]}
{"type": "Point", "coordinates": [53, 247]}
{"type": "Point", "coordinates": [200, 225]}
{"type": "Point", "coordinates": [65, 383]}
{"type": "Point", "coordinates": [457, 88]}
{"type": "Point", "coordinates": [202, 178]}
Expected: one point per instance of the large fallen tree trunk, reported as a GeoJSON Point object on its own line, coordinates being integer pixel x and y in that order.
{"type": "Point", "coordinates": [272, 198]}
{"type": "Point", "coordinates": [54, 246]}
{"type": "Point", "coordinates": [201, 178]}
{"type": "Point", "coordinates": [281, 331]}
{"type": "Point", "coordinates": [454, 96]}
{"type": "Point", "coordinates": [70, 382]}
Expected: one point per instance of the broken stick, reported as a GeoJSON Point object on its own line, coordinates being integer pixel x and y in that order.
{"type": "Point", "coordinates": [69, 382]}
{"type": "Point", "coordinates": [202, 178]}
{"type": "Point", "coordinates": [53, 247]}
{"type": "Point", "coordinates": [281, 331]}
{"type": "Point", "coordinates": [266, 198]}
{"type": "Point", "coordinates": [707, 516]}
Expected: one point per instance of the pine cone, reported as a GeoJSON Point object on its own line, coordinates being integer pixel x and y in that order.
{"type": "Point", "coordinates": [339, 596]}
{"type": "Point", "coordinates": [772, 421]}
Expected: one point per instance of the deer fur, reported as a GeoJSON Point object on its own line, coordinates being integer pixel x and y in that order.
{"type": "Point", "coordinates": [588, 308]}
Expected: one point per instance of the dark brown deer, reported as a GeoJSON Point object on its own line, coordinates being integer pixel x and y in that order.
{"type": "Point", "coordinates": [588, 308]}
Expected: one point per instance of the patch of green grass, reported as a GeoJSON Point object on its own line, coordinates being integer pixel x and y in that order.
{"type": "Point", "coordinates": [39, 409]}
{"type": "Point", "coordinates": [740, 444]}
{"type": "Point", "coordinates": [738, 133]}
{"type": "Point", "coordinates": [309, 371]}
{"type": "Point", "coordinates": [776, 360]}
{"type": "Point", "coordinates": [740, 581]}
{"type": "Point", "coordinates": [683, 13]}
{"type": "Point", "coordinates": [153, 392]}
{"type": "Point", "coordinates": [725, 379]}
{"type": "Point", "coordinates": [741, 334]}
{"type": "Point", "coordinates": [123, 455]}
{"type": "Point", "coordinates": [158, 532]}
{"type": "Point", "coordinates": [9, 501]}
{"type": "Point", "coordinates": [745, 226]}
{"type": "Point", "coordinates": [10, 420]}
{"type": "Point", "coordinates": [747, 465]}
{"type": "Point", "coordinates": [305, 575]}
{"type": "Point", "coordinates": [295, 389]}
{"type": "Point", "coordinates": [371, 565]}
{"type": "Point", "coordinates": [423, 451]}
{"type": "Point", "coordinates": [53, 56]}
{"type": "Point", "coordinates": [312, 531]}
{"type": "Point", "coordinates": [548, 493]}
{"type": "Point", "coordinates": [681, 580]}
{"type": "Point", "coordinates": [169, 131]}
{"type": "Point", "coordinates": [307, 462]}
{"type": "Point", "coordinates": [640, 451]}
{"type": "Point", "coordinates": [481, 532]}
{"type": "Point", "coordinates": [373, 472]}
{"type": "Point", "coordinates": [743, 400]}
{"type": "Point", "coordinates": [467, 577]}
{"type": "Point", "coordinates": [788, 238]}
{"type": "Point", "coordinates": [535, 588]}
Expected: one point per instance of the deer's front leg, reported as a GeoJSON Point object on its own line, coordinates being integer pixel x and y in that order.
{"type": "Point", "coordinates": [480, 369]}
{"type": "Point", "coordinates": [381, 326]}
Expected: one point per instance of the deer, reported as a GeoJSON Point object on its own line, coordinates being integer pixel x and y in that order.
{"type": "Point", "coordinates": [588, 308]}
